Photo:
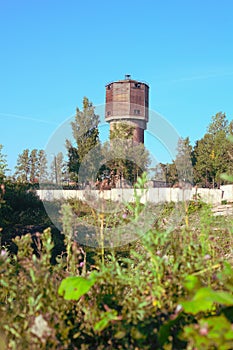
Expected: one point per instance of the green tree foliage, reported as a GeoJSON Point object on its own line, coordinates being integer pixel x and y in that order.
{"type": "Point", "coordinates": [42, 165]}
{"type": "Point", "coordinates": [183, 161]}
{"type": "Point", "coordinates": [73, 161]}
{"type": "Point", "coordinates": [158, 172]}
{"type": "Point", "coordinates": [171, 174]}
{"type": "Point", "coordinates": [22, 172]}
{"type": "Point", "coordinates": [180, 171]}
{"type": "Point", "coordinates": [21, 206]}
{"type": "Point", "coordinates": [211, 156]}
{"type": "Point", "coordinates": [58, 169]}
{"type": "Point", "coordinates": [33, 162]}
{"type": "Point", "coordinates": [122, 131]}
{"type": "Point", "coordinates": [219, 123]}
{"type": "Point", "coordinates": [212, 152]}
{"type": "Point", "coordinates": [128, 158]}
{"type": "Point", "coordinates": [3, 163]}
{"type": "Point", "coordinates": [31, 166]}
{"type": "Point", "coordinates": [86, 137]}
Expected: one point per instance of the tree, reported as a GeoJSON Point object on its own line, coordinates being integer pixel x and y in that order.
{"type": "Point", "coordinates": [159, 173]}
{"type": "Point", "coordinates": [122, 130]}
{"type": "Point", "coordinates": [23, 166]}
{"type": "Point", "coordinates": [58, 169]}
{"type": "Point", "coordinates": [211, 153]}
{"type": "Point", "coordinates": [31, 166]}
{"type": "Point", "coordinates": [219, 123]}
{"type": "Point", "coordinates": [86, 137]}
{"type": "Point", "coordinates": [127, 158]}
{"type": "Point", "coordinates": [120, 151]}
{"type": "Point", "coordinates": [3, 164]}
{"type": "Point", "coordinates": [170, 173]}
{"type": "Point", "coordinates": [73, 160]}
{"type": "Point", "coordinates": [183, 161]}
{"type": "Point", "coordinates": [181, 169]}
{"type": "Point", "coordinates": [42, 166]}
{"type": "Point", "coordinates": [203, 161]}
{"type": "Point", "coordinates": [230, 148]}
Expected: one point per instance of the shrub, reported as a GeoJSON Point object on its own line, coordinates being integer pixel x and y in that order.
{"type": "Point", "coordinates": [130, 297]}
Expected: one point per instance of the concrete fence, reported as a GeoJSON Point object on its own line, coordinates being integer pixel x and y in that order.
{"type": "Point", "coordinates": [154, 195]}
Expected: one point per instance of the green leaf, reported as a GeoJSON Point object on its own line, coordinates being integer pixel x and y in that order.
{"type": "Point", "coordinates": [120, 335]}
{"type": "Point", "coordinates": [200, 302]}
{"type": "Point", "coordinates": [13, 331]}
{"type": "Point", "coordinates": [105, 319]}
{"type": "Point", "coordinates": [3, 283]}
{"type": "Point", "coordinates": [227, 177]}
{"type": "Point", "coordinates": [136, 334]}
{"type": "Point", "coordinates": [101, 325]}
{"type": "Point", "coordinates": [191, 282]}
{"type": "Point", "coordinates": [204, 299]}
{"type": "Point", "coordinates": [230, 138]}
{"type": "Point", "coordinates": [32, 274]}
{"type": "Point", "coordinates": [219, 329]}
{"type": "Point", "coordinates": [72, 288]}
{"type": "Point", "coordinates": [222, 297]}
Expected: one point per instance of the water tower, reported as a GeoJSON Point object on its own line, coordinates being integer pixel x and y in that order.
{"type": "Point", "coordinates": [127, 101]}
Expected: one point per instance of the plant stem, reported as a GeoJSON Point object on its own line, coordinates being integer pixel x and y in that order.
{"type": "Point", "coordinates": [102, 236]}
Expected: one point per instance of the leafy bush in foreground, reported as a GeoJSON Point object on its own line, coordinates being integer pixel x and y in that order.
{"type": "Point", "coordinates": [131, 302]}
{"type": "Point", "coordinates": [167, 290]}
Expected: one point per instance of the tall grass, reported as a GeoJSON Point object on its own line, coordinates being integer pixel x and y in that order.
{"type": "Point", "coordinates": [138, 296]}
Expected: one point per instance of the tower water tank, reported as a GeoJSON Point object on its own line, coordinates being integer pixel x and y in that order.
{"type": "Point", "coordinates": [127, 101]}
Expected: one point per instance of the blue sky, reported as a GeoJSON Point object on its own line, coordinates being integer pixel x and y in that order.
{"type": "Point", "coordinates": [55, 52]}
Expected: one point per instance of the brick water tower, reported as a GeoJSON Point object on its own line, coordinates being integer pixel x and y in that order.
{"type": "Point", "coordinates": [127, 101]}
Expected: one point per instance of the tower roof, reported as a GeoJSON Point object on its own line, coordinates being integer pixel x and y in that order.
{"type": "Point", "coordinates": [128, 79]}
